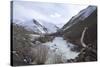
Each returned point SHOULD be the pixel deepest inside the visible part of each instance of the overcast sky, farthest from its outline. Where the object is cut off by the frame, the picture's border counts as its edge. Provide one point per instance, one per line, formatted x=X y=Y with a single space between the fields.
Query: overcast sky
x=56 y=13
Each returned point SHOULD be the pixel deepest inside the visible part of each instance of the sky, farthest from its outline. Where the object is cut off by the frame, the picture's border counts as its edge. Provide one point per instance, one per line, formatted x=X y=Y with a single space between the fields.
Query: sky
x=56 y=13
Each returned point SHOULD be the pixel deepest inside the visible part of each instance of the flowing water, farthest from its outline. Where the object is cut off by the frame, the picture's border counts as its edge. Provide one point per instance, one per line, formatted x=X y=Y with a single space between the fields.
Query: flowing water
x=60 y=49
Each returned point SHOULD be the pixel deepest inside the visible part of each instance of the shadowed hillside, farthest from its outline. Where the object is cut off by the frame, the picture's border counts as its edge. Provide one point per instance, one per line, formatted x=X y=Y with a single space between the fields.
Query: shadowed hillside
x=88 y=24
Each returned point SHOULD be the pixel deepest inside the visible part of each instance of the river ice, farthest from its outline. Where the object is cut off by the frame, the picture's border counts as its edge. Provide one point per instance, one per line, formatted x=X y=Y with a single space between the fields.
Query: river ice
x=60 y=47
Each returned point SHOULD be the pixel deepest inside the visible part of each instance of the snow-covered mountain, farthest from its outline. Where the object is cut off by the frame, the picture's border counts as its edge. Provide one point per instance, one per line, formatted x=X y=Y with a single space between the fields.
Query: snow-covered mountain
x=38 y=26
x=51 y=28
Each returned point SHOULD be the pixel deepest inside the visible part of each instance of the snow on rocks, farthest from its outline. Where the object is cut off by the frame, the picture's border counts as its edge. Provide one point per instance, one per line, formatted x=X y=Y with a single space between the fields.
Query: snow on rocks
x=59 y=47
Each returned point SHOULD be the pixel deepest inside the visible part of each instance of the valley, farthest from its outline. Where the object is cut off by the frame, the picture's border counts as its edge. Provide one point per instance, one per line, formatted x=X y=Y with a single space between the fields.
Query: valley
x=37 y=42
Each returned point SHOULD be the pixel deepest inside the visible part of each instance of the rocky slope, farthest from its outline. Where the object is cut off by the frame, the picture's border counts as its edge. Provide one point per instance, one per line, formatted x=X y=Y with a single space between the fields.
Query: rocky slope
x=85 y=20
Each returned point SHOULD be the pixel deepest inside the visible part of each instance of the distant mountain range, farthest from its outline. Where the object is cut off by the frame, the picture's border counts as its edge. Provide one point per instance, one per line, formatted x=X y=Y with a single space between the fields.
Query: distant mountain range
x=38 y=27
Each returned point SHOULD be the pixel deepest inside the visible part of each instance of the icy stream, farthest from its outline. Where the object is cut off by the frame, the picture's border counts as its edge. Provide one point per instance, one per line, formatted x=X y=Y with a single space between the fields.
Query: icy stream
x=59 y=47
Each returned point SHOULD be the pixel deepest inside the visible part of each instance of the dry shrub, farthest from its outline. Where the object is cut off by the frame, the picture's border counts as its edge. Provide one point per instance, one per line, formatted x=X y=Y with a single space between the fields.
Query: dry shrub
x=54 y=58
x=40 y=53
